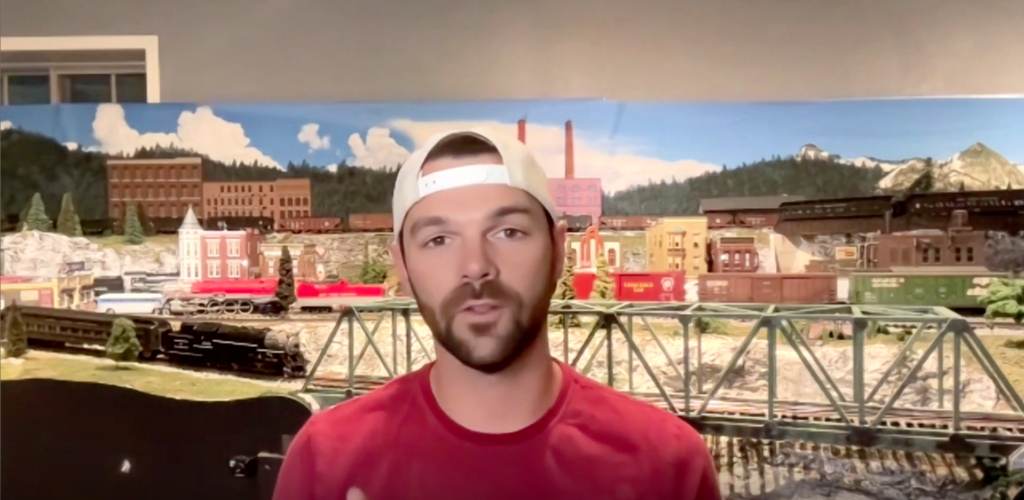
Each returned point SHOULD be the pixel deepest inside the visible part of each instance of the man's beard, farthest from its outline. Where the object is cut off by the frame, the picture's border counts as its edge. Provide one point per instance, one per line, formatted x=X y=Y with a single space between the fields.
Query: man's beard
x=528 y=321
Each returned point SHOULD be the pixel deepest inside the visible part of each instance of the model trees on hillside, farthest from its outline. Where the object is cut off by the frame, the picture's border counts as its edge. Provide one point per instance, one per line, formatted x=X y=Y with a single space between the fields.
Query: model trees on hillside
x=35 y=219
x=133 y=232
x=285 y=292
x=68 y=222
x=1004 y=298
x=566 y=291
x=123 y=342
x=15 y=338
x=604 y=285
x=374 y=269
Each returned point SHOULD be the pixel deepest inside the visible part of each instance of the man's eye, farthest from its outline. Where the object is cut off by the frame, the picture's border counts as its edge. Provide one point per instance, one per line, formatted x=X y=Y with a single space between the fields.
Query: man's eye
x=435 y=241
x=511 y=233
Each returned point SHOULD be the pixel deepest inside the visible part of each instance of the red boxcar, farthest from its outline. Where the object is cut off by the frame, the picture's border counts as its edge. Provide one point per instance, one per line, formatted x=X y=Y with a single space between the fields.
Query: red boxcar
x=306 y=290
x=637 y=287
x=765 y=288
x=257 y=287
x=370 y=223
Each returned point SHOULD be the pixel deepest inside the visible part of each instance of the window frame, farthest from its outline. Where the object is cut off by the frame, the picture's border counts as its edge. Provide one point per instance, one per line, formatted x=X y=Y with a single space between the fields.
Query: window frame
x=150 y=66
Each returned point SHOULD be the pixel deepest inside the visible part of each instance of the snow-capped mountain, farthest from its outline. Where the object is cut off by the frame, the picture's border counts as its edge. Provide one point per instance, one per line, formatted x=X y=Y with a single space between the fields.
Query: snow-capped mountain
x=976 y=168
x=812 y=152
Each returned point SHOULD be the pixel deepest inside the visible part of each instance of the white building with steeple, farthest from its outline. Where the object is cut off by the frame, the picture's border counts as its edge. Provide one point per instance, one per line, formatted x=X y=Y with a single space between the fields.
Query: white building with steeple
x=189 y=235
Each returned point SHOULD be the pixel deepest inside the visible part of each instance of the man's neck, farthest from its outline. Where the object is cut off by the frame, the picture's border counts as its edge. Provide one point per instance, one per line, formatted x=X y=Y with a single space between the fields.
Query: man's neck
x=503 y=402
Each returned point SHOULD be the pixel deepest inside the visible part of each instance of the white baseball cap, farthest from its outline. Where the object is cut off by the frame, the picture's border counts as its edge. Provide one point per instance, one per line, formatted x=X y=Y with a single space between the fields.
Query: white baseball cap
x=519 y=169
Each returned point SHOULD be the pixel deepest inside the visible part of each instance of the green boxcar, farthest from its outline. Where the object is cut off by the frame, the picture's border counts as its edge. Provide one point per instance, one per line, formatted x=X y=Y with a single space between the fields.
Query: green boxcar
x=952 y=288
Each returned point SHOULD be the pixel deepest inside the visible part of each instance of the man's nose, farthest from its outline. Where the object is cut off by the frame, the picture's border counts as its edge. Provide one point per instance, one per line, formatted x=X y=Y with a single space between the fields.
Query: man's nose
x=478 y=261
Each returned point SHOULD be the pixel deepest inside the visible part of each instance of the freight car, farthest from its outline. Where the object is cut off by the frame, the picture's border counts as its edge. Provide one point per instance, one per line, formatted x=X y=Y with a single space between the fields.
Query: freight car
x=370 y=223
x=627 y=222
x=577 y=223
x=312 y=225
x=264 y=225
x=218 y=346
x=764 y=288
x=636 y=287
x=957 y=288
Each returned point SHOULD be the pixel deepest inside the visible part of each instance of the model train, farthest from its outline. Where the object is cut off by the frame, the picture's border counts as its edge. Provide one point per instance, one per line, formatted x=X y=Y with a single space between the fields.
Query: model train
x=211 y=345
x=957 y=288
x=257 y=296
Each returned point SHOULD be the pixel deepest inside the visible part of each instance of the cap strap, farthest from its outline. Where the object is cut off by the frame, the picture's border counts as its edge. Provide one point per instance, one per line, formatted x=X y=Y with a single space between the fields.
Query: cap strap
x=463 y=176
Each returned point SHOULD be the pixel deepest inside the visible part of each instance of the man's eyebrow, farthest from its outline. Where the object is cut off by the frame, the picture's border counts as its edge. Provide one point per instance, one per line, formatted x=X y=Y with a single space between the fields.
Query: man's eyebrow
x=426 y=222
x=508 y=210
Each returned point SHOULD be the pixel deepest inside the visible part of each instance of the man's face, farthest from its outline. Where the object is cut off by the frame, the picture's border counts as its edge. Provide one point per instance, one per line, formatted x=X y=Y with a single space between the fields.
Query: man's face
x=482 y=265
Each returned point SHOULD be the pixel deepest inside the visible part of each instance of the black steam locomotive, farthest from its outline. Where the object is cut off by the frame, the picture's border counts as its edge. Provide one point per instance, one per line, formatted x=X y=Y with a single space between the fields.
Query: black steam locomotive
x=213 y=345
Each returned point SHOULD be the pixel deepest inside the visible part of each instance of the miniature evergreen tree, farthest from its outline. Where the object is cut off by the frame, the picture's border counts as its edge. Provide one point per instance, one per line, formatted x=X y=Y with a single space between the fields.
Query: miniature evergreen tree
x=285 y=292
x=123 y=343
x=566 y=291
x=68 y=222
x=15 y=338
x=133 y=233
x=36 y=219
x=604 y=285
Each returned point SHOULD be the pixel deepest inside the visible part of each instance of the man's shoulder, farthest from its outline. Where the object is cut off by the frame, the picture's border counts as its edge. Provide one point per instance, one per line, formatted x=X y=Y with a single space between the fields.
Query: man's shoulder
x=376 y=409
x=633 y=419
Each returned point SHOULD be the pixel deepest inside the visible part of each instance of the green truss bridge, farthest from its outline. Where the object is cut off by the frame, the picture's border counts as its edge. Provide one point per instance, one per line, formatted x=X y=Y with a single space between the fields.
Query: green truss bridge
x=753 y=371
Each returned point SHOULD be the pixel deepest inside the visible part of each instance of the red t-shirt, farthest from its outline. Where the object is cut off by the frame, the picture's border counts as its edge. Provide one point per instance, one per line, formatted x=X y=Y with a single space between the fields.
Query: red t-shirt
x=595 y=443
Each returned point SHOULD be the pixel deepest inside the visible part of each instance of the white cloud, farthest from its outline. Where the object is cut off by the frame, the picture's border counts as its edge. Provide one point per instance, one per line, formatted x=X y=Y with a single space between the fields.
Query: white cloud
x=200 y=131
x=71 y=145
x=309 y=135
x=332 y=168
x=617 y=170
x=378 y=151
x=6 y=124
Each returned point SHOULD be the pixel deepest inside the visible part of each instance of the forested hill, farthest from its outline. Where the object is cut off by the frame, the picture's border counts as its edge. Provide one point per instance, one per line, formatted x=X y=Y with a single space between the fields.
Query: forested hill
x=814 y=179
x=35 y=163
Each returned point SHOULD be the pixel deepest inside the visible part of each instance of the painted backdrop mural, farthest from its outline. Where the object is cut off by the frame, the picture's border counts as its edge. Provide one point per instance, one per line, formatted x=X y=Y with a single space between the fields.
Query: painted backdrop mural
x=650 y=159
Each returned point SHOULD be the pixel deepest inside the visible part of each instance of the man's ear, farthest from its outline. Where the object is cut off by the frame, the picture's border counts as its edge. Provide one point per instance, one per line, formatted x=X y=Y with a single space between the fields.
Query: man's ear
x=398 y=260
x=559 y=248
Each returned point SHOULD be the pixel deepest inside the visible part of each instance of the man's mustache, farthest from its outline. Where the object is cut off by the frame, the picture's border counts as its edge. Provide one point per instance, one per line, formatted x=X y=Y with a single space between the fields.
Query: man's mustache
x=487 y=289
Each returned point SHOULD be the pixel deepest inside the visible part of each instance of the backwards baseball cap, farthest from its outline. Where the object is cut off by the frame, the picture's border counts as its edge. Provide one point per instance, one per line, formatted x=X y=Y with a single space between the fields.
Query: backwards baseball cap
x=519 y=169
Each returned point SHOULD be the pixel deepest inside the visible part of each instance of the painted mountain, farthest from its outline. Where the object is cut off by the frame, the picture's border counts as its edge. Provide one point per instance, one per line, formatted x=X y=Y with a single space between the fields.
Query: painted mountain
x=977 y=168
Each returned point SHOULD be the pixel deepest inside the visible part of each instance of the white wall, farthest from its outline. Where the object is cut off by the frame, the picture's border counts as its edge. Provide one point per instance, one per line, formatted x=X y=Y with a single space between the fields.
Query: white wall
x=302 y=50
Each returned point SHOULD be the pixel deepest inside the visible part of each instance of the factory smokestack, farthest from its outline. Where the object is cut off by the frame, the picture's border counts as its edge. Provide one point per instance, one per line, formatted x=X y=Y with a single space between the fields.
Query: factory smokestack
x=570 y=156
x=522 y=131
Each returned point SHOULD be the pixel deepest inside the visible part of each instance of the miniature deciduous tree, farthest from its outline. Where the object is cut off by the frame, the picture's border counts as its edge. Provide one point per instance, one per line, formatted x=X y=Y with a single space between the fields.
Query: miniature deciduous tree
x=36 y=219
x=1004 y=298
x=566 y=291
x=68 y=222
x=285 y=291
x=133 y=233
x=123 y=343
x=604 y=285
x=15 y=337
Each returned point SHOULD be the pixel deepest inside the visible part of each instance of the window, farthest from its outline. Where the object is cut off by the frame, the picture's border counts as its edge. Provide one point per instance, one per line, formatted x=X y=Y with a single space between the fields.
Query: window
x=612 y=257
x=234 y=269
x=213 y=248
x=970 y=254
x=213 y=269
x=234 y=248
x=86 y=69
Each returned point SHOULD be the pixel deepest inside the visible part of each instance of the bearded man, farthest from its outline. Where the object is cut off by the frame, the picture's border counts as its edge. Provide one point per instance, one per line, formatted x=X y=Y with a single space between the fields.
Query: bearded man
x=495 y=416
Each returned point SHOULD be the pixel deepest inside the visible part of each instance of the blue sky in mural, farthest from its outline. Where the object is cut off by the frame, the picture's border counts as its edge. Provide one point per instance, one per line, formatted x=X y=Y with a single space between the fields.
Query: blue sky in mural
x=620 y=142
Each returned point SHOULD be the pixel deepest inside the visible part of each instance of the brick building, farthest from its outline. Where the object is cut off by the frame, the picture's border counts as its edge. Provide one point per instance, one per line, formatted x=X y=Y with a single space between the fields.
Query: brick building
x=678 y=244
x=229 y=254
x=162 y=187
x=280 y=199
x=747 y=211
x=304 y=259
x=572 y=196
x=586 y=251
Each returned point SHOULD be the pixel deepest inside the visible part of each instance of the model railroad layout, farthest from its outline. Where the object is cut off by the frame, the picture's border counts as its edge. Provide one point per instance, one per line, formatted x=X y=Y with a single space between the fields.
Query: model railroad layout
x=196 y=343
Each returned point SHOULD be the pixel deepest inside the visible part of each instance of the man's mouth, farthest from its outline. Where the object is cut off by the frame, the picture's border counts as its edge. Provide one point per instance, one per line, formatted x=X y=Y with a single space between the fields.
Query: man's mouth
x=480 y=308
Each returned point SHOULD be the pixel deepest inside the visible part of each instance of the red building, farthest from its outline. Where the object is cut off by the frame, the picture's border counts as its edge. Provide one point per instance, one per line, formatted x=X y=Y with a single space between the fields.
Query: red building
x=572 y=196
x=230 y=254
